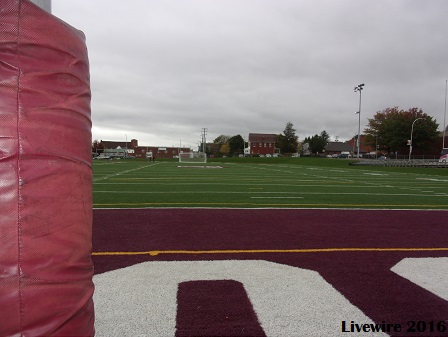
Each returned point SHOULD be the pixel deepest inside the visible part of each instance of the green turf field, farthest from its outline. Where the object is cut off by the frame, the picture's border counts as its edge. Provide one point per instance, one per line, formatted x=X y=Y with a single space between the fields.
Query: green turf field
x=266 y=183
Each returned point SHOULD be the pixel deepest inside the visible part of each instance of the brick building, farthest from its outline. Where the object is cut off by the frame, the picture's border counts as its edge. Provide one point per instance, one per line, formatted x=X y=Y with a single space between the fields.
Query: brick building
x=159 y=151
x=118 y=148
x=262 y=143
x=114 y=147
x=363 y=147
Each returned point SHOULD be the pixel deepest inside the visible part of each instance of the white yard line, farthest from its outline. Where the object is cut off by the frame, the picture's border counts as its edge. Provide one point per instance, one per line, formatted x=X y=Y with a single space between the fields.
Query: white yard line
x=258 y=192
x=122 y=172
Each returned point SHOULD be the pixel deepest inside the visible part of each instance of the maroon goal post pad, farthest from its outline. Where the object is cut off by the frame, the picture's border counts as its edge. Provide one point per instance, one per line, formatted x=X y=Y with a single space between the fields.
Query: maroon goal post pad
x=45 y=176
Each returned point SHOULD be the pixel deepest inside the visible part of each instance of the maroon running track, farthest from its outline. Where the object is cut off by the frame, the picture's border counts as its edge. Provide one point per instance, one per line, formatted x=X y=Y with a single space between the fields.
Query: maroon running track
x=363 y=277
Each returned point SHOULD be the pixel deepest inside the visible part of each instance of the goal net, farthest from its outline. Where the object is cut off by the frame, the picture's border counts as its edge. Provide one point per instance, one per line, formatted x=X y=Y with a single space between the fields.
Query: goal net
x=192 y=157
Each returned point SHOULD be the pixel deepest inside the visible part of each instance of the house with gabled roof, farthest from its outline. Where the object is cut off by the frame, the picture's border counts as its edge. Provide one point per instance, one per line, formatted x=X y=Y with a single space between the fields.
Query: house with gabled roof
x=335 y=148
x=262 y=143
x=114 y=145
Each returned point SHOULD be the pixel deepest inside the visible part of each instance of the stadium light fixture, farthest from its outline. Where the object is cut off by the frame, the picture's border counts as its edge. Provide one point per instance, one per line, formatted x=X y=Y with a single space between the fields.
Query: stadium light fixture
x=410 y=142
x=359 y=88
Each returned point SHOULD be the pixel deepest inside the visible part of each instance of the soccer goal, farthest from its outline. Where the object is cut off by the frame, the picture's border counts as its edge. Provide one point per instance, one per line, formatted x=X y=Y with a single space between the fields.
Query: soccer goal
x=193 y=157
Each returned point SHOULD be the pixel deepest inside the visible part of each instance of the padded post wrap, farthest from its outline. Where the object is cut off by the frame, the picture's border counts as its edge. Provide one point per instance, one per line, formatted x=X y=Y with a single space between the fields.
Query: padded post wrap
x=45 y=176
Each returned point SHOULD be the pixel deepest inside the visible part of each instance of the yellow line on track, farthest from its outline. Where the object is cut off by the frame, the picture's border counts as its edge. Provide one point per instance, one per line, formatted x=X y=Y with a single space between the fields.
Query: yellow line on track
x=260 y=251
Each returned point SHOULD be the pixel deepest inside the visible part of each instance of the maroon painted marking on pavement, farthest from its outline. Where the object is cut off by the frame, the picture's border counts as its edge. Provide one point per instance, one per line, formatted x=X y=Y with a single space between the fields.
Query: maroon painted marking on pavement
x=364 y=278
x=215 y=308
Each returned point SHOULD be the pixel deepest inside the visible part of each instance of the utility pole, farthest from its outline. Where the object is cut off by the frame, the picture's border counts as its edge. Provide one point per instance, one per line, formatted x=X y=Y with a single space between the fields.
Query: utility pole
x=126 y=151
x=204 y=133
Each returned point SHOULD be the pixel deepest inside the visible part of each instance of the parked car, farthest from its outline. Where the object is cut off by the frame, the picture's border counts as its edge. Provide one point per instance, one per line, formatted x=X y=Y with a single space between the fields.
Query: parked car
x=102 y=157
x=444 y=156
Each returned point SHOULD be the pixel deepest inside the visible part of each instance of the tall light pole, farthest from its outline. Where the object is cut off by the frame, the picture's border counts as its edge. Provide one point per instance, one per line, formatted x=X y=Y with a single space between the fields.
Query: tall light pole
x=359 y=88
x=410 y=142
x=444 y=117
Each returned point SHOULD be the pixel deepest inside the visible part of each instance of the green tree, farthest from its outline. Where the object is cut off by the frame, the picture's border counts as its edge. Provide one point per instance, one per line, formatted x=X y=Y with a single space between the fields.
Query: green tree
x=280 y=142
x=325 y=137
x=391 y=129
x=236 y=145
x=317 y=142
x=222 y=139
x=316 y=145
x=288 y=141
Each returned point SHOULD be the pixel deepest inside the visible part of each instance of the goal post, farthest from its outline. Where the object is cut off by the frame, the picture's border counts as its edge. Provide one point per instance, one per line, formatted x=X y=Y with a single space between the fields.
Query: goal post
x=44 y=4
x=193 y=158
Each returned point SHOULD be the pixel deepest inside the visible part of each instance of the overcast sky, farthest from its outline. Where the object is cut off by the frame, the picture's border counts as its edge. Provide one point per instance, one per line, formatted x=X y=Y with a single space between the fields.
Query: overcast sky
x=161 y=70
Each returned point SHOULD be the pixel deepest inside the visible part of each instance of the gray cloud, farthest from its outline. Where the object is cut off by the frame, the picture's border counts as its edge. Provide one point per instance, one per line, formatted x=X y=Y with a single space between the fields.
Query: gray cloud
x=162 y=70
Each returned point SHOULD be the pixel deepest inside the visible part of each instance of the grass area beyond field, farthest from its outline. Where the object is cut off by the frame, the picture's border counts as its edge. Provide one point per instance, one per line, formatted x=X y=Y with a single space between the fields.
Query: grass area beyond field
x=266 y=183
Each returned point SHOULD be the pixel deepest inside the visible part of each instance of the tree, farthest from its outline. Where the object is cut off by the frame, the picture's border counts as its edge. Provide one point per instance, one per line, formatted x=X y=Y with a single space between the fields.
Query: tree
x=390 y=129
x=215 y=148
x=97 y=147
x=325 y=137
x=317 y=142
x=224 y=149
x=280 y=142
x=236 y=145
x=288 y=141
x=222 y=139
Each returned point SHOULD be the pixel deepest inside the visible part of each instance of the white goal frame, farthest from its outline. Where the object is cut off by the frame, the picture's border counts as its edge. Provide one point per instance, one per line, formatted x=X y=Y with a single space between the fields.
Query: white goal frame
x=193 y=158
